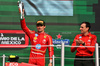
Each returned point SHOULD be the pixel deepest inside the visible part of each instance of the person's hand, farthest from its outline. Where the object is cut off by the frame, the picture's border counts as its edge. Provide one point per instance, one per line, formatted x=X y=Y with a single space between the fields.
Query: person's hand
x=21 y=9
x=50 y=64
x=78 y=42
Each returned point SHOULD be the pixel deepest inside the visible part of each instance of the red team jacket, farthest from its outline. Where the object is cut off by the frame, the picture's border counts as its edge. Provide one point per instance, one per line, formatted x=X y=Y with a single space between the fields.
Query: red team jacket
x=90 y=40
x=38 y=39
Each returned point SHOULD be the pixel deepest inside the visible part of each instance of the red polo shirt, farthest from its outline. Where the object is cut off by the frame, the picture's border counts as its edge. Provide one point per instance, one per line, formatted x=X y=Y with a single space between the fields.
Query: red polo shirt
x=90 y=40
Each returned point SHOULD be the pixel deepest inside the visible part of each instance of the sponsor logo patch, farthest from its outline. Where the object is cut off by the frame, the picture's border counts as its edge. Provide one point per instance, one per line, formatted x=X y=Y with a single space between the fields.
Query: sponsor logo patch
x=36 y=35
x=35 y=38
x=80 y=37
x=44 y=41
x=38 y=46
x=44 y=36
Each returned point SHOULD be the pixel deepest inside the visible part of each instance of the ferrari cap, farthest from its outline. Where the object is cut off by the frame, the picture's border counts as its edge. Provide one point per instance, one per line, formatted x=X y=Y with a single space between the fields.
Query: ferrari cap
x=40 y=22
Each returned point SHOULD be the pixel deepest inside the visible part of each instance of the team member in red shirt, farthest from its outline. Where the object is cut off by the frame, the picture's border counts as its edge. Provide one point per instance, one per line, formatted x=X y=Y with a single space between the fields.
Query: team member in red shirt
x=38 y=39
x=84 y=39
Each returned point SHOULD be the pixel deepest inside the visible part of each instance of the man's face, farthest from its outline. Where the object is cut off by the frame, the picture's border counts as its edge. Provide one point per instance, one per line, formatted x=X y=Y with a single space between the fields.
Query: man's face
x=83 y=28
x=40 y=28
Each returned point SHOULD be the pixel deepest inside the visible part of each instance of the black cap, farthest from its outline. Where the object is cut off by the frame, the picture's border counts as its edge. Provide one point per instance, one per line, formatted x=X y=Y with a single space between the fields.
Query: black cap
x=40 y=22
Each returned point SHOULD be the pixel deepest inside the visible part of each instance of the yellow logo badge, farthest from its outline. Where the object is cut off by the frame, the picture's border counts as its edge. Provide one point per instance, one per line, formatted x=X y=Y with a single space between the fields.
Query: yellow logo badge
x=35 y=38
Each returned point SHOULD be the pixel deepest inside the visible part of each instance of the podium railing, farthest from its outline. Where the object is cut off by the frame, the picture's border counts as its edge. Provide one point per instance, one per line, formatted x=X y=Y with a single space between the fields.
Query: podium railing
x=62 y=53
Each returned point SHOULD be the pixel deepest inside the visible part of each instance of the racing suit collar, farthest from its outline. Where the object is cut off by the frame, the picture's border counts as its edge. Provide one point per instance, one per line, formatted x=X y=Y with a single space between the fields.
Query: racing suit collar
x=87 y=35
x=40 y=33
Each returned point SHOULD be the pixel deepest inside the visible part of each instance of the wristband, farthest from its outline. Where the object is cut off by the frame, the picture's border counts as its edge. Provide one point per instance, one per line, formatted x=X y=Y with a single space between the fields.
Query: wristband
x=50 y=60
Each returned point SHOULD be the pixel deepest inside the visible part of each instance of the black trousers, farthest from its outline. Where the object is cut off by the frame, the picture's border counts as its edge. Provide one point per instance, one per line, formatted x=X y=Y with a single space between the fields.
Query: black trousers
x=84 y=61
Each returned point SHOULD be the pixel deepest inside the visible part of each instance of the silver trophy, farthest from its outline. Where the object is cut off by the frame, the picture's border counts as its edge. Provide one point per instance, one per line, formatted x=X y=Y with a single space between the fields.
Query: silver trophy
x=21 y=7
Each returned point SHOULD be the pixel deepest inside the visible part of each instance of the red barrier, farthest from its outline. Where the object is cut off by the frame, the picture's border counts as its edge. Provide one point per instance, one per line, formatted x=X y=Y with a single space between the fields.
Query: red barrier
x=18 y=64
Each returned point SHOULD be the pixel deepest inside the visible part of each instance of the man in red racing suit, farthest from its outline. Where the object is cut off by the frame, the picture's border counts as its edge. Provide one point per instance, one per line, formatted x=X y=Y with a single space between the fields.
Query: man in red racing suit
x=39 y=40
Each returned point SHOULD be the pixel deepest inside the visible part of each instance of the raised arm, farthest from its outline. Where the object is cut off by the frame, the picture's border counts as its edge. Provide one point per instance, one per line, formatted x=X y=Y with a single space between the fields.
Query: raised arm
x=24 y=27
x=22 y=19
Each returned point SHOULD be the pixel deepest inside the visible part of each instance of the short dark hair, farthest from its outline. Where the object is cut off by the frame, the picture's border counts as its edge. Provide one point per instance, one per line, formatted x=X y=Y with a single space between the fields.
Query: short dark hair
x=87 y=25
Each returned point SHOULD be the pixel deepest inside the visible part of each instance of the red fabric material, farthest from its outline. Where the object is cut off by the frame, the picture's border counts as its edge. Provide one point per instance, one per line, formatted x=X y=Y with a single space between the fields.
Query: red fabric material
x=18 y=64
x=37 y=59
